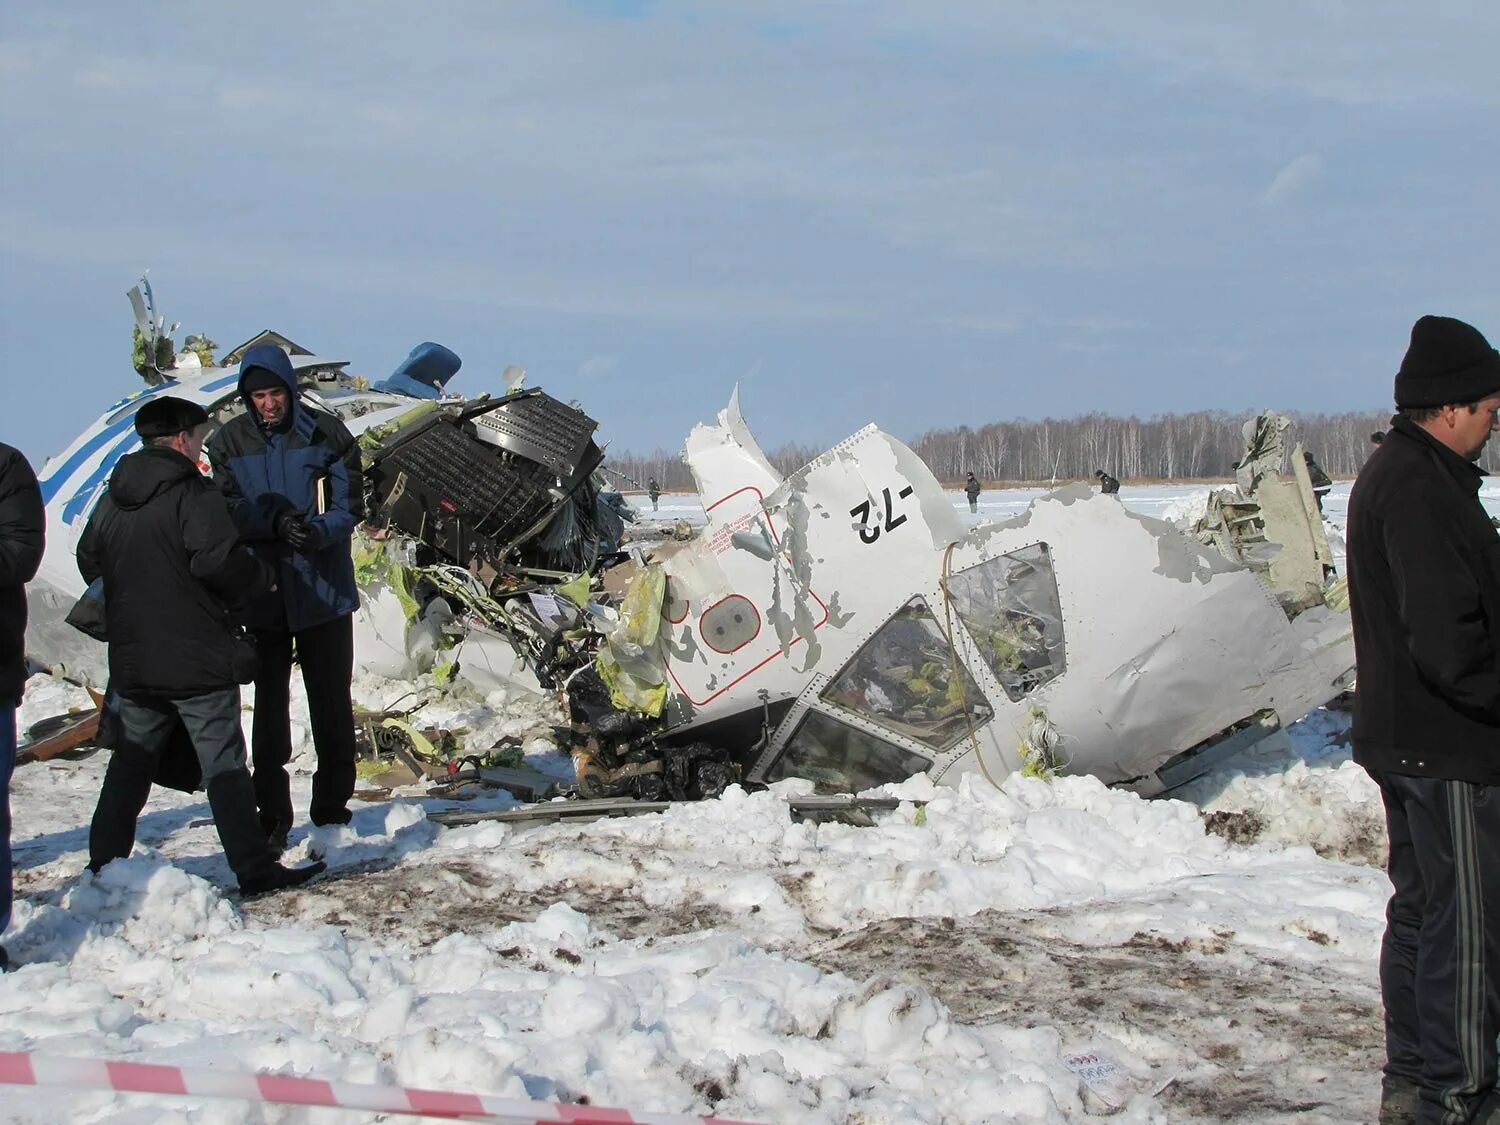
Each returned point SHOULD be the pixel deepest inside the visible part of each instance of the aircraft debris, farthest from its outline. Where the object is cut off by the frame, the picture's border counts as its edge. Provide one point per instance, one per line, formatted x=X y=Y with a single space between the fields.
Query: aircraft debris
x=1272 y=521
x=842 y=625
x=476 y=506
x=63 y=735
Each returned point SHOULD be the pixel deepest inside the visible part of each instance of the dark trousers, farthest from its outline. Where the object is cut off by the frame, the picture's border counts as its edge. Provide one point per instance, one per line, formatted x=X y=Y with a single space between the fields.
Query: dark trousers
x=1440 y=960
x=326 y=653
x=142 y=727
x=7 y=767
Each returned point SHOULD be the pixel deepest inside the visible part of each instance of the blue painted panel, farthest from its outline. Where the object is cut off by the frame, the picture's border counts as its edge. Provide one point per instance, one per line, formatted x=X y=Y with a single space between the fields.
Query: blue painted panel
x=80 y=499
x=54 y=480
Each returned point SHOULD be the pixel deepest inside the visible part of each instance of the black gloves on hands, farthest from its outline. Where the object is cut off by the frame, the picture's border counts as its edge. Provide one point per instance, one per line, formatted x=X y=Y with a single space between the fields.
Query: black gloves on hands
x=292 y=527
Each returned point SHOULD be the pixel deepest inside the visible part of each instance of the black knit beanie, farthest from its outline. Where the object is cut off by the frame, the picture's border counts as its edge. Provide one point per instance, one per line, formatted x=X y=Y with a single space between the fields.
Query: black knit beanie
x=1448 y=362
x=259 y=379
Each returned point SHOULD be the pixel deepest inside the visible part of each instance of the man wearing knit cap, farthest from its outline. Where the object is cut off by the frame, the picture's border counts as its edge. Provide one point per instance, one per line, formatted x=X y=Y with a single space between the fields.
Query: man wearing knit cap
x=1424 y=592
x=295 y=487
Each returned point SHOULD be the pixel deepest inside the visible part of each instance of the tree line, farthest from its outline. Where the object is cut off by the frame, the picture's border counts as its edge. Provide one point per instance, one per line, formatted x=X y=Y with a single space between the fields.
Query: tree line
x=1202 y=444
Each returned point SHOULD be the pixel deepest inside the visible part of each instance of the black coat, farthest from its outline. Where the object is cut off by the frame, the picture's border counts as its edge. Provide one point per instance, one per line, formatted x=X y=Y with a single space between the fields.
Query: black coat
x=22 y=525
x=1424 y=592
x=162 y=540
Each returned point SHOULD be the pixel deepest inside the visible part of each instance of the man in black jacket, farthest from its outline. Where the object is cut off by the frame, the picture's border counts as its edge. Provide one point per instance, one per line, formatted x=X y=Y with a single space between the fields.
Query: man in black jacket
x=22 y=523
x=162 y=541
x=1424 y=592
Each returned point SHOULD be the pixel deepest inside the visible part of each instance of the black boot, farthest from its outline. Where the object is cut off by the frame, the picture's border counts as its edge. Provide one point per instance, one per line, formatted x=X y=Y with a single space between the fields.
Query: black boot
x=1399 y=1098
x=122 y=796
x=231 y=796
x=279 y=878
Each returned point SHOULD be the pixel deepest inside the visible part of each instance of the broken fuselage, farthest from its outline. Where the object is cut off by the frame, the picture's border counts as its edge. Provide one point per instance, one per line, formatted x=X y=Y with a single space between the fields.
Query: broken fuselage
x=846 y=625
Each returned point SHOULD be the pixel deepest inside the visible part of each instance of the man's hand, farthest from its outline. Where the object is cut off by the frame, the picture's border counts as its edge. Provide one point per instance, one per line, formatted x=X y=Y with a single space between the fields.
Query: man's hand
x=292 y=527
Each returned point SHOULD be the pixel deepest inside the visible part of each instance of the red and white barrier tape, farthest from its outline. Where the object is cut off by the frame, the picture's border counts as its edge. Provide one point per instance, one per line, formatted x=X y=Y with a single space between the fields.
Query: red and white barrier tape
x=20 y=1069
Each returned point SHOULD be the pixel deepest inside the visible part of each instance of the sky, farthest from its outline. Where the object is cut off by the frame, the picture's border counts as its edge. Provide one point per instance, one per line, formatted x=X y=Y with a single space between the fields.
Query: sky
x=911 y=214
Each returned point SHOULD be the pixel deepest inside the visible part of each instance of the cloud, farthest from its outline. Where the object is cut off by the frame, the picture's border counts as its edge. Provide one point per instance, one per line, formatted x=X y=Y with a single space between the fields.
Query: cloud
x=954 y=188
x=597 y=365
x=1293 y=178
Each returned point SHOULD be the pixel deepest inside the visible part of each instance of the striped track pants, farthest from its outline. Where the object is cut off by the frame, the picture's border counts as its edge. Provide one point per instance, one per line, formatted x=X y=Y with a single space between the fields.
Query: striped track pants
x=1440 y=960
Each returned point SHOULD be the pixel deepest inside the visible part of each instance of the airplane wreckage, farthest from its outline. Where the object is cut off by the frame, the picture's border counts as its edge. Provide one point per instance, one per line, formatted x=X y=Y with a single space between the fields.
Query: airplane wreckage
x=843 y=624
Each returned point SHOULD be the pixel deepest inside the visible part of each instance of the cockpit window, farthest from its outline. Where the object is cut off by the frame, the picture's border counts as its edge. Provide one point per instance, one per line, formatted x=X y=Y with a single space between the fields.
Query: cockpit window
x=838 y=758
x=1011 y=608
x=907 y=679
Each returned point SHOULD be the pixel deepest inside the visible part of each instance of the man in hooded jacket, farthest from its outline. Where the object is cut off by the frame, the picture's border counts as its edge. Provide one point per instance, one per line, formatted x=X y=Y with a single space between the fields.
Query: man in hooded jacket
x=22 y=524
x=162 y=541
x=293 y=479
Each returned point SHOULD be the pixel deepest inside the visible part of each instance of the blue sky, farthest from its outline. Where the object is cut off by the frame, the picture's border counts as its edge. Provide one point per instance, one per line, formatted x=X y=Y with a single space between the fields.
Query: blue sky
x=913 y=214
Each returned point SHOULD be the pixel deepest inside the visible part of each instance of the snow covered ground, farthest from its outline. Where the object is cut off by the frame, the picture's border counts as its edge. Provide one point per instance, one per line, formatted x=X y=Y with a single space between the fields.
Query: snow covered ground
x=723 y=958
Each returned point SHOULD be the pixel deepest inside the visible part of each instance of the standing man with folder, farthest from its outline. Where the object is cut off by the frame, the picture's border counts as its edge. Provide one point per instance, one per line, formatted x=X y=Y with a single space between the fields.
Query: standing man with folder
x=293 y=479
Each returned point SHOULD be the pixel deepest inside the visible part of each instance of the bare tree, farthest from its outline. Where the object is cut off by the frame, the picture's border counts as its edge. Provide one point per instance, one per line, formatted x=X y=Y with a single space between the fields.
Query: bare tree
x=1202 y=444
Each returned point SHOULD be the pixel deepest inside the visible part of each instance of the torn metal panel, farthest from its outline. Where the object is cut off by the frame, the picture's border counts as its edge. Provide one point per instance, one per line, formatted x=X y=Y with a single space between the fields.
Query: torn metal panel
x=1078 y=636
x=1272 y=522
x=725 y=458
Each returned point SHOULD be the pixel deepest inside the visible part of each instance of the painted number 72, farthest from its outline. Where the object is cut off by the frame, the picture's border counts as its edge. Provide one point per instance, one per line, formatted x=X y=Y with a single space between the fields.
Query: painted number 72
x=869 y=532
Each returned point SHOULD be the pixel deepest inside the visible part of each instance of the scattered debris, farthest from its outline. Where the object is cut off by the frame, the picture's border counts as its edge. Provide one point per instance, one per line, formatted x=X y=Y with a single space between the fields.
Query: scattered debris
x=61 y=736
x=842 y=625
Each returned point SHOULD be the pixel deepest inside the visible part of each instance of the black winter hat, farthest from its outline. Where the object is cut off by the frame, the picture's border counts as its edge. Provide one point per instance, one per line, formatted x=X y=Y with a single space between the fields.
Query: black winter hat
x=260 y=379
x=1448 y=361
x=167 y=416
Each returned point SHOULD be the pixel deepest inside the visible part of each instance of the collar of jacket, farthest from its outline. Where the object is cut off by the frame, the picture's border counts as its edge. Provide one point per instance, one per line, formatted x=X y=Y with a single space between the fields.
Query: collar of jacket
x=1467 y=474
x=282 y=427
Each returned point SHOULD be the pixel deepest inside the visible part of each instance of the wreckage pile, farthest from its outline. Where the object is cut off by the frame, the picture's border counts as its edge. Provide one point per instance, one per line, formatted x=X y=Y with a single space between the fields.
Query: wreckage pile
x=491 y=530
x=842 y=625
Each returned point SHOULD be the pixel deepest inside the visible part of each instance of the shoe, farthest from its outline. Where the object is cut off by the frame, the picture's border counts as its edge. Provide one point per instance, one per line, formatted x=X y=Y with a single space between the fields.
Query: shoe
x=4 y=960
x=279 y=878
x=1399 y=1097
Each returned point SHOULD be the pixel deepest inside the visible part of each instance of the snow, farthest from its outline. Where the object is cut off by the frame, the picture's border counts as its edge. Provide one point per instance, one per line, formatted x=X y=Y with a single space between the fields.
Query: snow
x=724 y=958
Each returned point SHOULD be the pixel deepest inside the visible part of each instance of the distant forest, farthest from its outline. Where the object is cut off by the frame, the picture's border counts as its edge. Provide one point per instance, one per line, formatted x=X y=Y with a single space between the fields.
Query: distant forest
x=1165 y=447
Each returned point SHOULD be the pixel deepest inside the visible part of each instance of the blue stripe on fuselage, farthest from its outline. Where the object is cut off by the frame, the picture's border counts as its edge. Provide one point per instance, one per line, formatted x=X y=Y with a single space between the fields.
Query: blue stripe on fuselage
x=79 y=500
x=54 y=480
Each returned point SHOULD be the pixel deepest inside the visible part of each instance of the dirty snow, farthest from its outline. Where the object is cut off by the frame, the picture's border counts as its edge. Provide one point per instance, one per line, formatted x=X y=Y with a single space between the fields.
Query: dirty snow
x=723 y=958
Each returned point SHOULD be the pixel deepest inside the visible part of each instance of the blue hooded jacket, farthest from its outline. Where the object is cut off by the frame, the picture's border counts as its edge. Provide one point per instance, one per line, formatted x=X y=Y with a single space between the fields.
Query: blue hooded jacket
x=309 y=465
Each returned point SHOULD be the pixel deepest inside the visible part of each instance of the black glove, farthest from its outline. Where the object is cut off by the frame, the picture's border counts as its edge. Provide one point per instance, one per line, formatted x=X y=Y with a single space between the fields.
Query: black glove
x=295 y=530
